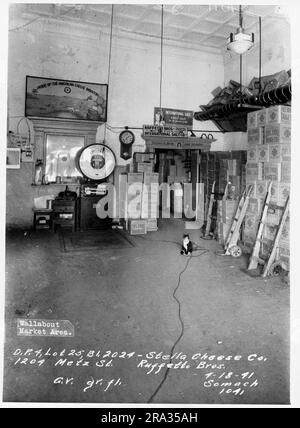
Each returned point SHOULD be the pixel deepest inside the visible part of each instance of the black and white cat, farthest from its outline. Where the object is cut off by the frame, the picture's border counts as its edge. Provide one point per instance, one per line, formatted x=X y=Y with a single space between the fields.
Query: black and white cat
x=187 y=246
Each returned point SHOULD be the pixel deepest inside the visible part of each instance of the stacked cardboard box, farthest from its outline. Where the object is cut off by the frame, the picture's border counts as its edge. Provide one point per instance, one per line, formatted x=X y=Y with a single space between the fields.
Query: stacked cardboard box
x=142 y=195
x=162 y=171
x=268 y=158
x=230 y=172
x=137 y=227
x=150 y=200
x=134 y=194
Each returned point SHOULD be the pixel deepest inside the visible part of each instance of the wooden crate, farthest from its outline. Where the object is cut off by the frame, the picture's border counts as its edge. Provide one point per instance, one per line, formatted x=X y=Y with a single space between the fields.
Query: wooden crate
x=255 y=136
x=279 y=114
x=144 y=167
x=135 y=177
x=285 y=176
x=137 y=227
x=252 y=154
x=252 y=120
x=272 y=171
x=261 y=117
x=277 y=134
x=263 y=153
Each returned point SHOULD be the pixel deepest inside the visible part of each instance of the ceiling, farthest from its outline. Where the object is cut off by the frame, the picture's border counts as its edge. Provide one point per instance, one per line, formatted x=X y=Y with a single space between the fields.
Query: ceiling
x=203 y=26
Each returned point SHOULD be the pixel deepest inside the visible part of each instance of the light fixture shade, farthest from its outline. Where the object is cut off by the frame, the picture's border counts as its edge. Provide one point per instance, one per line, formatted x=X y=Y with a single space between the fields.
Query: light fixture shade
x=240 y=42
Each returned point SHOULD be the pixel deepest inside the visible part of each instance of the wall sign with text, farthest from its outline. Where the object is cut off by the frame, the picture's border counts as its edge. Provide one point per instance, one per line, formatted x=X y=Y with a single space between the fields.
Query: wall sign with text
x=65 y=99
x=164 y=131
x=173 y=117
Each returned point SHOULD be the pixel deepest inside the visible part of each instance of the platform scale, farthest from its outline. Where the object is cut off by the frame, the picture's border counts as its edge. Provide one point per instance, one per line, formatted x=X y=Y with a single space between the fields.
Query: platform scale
x=96 y=162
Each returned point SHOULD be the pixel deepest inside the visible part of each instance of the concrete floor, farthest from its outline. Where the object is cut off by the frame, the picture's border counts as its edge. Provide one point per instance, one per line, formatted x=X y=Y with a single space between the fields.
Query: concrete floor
x=122 y=301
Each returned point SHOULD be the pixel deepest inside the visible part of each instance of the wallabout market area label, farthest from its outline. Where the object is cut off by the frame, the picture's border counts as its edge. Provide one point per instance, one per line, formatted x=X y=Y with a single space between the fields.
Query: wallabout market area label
x=44 y=328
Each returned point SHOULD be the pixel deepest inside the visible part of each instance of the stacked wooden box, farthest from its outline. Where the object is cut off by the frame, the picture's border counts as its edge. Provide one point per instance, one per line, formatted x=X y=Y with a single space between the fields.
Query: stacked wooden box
x=172 y=168
x=142 y=195
x=268 y=159
x=231 y=172
x=150 y=200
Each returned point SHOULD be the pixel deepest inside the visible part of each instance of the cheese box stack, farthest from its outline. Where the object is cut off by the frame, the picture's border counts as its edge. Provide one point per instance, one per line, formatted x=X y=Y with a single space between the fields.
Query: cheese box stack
x=134 y=200
x=150 y=201
x=134 y=194
x=268 y=159
x=141 y=198
x=278 y=138
x=143 y=162
x=144 y=167
x=137 y=227
x=150 y=196
x=152 y=225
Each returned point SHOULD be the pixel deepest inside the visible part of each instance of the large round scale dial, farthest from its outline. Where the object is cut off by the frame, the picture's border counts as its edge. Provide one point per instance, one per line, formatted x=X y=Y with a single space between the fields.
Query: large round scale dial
x=96 y=161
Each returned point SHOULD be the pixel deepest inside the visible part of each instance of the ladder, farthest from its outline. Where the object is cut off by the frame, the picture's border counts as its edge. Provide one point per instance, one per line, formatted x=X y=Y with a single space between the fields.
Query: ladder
x=223 y=214
x=231 y=247
x=210 y=208
x=269 y=263
x=254 y=258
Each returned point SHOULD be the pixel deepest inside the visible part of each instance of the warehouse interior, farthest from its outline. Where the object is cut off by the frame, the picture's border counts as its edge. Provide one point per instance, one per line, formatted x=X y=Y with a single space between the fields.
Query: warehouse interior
x=148 y=176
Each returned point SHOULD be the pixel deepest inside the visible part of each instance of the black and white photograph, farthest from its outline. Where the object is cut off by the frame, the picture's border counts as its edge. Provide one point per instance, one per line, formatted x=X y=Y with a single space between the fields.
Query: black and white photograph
x=149 y=201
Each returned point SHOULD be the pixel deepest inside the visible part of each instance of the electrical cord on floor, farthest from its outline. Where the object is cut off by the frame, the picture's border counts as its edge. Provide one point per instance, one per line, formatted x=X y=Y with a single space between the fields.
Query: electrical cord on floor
x=196 y=248
x=204 y=251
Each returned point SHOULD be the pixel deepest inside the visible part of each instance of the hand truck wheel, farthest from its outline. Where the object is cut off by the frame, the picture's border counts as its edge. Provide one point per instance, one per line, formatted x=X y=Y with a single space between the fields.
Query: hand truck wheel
x=235 y=251
x=275 y=269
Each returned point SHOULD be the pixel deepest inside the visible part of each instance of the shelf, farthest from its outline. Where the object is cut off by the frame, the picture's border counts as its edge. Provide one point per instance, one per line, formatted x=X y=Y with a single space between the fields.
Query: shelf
x=178 y=143
x=232 y=116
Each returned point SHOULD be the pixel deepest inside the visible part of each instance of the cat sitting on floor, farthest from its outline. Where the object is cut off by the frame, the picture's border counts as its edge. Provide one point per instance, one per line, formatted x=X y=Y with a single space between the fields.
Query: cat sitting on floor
x=187 y=246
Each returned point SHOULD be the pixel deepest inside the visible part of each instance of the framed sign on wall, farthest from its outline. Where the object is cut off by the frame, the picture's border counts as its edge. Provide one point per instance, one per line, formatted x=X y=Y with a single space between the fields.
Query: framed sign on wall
x=65 y=99
x=173 y=117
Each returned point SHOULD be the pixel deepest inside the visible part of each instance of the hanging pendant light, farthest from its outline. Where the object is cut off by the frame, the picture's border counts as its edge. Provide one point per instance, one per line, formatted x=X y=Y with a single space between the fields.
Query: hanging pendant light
x=240 y=42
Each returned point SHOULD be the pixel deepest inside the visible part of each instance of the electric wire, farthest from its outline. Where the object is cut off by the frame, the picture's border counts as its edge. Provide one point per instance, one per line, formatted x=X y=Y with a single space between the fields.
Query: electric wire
x=111 y=128
x=161 y=54
x=109 y=57
x=196 y=247
x=181 y=324
x=259 y=64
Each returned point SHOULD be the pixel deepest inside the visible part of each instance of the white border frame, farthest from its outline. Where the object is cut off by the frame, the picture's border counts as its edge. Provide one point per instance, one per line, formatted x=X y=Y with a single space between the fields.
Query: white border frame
x=17 y=165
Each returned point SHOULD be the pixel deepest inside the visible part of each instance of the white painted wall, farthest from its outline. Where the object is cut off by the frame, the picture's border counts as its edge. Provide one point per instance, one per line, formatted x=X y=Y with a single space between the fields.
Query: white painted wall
x=48 y=49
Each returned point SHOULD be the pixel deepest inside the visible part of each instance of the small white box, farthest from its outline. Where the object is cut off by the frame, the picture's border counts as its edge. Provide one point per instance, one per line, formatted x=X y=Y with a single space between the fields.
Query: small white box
x=272 y=171
x=263 y=153
x=275 y=152
x=255 y=136
x=261 y=116
x=144 y=167
x=252 y=154
x=252 y=120
x=261 y=189
x=279 y=114
x=285 y=153
x=277 y=133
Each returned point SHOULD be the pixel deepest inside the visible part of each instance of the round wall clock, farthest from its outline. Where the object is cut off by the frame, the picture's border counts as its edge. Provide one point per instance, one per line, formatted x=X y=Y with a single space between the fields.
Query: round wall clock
x=126 y=137
x=96 y=161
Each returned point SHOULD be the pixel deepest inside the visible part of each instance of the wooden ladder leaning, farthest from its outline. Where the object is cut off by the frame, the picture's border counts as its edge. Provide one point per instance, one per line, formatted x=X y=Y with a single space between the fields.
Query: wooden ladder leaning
x=209 y=212
x=231 y=247
x=254 y=258
x=268 y=265
x=223 y=214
